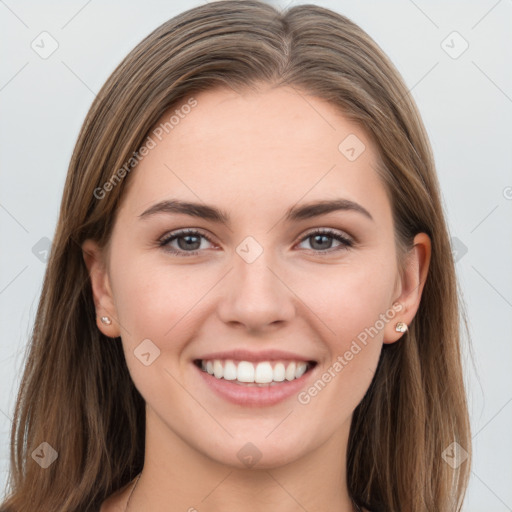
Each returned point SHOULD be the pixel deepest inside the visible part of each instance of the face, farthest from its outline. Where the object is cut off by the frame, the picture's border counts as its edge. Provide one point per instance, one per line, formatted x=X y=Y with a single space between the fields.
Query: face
x=261 y=287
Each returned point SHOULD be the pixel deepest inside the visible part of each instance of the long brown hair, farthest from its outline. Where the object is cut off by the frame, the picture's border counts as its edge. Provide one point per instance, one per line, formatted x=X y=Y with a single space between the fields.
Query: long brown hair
x=76 y=392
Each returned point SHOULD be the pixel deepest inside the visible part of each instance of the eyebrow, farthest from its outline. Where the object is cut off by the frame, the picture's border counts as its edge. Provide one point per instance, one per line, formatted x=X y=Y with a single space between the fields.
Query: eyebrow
x=214 y=214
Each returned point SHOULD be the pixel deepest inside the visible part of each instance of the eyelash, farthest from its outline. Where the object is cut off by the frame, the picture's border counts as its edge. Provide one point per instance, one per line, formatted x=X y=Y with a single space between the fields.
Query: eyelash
x=346 y=242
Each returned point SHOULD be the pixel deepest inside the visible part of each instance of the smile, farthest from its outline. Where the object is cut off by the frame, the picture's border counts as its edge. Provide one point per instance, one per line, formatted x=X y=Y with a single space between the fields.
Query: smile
x=255 y=384
x=261 y=373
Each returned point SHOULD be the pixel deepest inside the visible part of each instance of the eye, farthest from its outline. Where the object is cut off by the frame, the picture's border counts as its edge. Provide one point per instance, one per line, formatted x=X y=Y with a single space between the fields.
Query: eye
x=188 y=241
x=321 y=241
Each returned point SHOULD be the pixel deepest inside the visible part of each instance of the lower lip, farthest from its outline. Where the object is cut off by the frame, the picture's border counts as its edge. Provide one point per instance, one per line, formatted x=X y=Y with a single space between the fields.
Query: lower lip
x=255 y=396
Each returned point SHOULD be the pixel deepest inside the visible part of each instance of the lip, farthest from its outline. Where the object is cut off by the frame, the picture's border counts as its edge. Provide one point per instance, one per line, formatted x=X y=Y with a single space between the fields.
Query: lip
x=255 y=396
x=254 y=357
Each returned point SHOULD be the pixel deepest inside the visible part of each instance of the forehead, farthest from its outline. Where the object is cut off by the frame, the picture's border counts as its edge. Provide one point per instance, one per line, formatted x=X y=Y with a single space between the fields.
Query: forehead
x=256 y=148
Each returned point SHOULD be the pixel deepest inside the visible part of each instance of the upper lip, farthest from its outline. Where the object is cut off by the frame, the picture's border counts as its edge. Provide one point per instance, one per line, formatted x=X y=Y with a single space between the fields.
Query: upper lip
x=262 y=355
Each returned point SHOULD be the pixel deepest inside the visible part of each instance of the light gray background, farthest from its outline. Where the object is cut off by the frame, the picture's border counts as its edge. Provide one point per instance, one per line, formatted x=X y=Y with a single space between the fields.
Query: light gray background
x=466 y=104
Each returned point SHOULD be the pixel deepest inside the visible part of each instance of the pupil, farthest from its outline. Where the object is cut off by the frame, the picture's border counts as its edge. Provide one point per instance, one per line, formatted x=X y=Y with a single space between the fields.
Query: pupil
x=319 y=237
x=188 y=244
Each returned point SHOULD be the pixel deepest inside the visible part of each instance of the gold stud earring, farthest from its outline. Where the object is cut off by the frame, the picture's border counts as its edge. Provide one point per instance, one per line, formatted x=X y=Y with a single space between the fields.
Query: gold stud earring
x=401 y=327
x=105 y=320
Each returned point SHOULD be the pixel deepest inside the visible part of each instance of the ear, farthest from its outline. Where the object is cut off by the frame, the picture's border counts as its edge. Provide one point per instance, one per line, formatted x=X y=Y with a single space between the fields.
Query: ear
x=410 y=286
x=95 y=261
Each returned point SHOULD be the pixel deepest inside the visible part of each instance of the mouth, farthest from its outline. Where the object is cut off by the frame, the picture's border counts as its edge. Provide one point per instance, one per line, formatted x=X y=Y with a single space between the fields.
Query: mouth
x=257 y=383
x=255 y=374
x=233 y=378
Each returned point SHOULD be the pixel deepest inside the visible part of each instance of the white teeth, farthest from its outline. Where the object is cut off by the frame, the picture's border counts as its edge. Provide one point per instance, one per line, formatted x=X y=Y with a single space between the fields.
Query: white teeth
x=218 y=371
x=300 y=370
x=290 y=371
x=264 y=373
x=279 y=372
x=260 y=373
x=245 y=372
x=230 y=371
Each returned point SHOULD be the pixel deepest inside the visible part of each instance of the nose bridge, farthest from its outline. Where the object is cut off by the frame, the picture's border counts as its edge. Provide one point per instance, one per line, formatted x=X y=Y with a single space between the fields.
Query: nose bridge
x=255 y=276
x=255 y=297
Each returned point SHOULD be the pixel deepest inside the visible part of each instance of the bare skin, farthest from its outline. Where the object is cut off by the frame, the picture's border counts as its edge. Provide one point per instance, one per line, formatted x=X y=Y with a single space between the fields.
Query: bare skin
x=253 y=156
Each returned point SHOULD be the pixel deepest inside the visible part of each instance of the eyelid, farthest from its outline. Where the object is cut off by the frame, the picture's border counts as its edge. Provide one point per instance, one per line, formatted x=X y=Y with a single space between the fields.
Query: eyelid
x=173 y=235
x=182 y=232
x=330 y=231
x=345 y=240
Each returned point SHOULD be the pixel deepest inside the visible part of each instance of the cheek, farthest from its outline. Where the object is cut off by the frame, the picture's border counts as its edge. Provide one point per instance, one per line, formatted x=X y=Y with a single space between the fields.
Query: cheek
x=352 y=304
x=152 y=299
x=349 y=298
x=156 y=302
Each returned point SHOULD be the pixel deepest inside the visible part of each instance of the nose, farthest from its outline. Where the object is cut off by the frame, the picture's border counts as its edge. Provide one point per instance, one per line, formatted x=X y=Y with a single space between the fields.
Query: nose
x=255 y=296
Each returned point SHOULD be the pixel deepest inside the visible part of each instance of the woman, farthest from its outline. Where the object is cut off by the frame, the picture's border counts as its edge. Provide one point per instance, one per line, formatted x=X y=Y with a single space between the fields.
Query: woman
x=305 y=353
